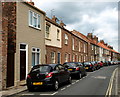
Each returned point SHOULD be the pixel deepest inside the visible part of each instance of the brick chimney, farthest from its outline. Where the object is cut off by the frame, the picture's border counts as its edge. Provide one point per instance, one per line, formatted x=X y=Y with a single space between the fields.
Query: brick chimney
x=106 y=44
x=54 y=18
x=90 y=35
x=95 y=38
x=62 y=24
x=102 y=41
x=31 y=2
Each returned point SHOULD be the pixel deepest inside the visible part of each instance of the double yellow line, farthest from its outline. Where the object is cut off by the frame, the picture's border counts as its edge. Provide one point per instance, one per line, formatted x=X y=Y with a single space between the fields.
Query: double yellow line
x=109 y=90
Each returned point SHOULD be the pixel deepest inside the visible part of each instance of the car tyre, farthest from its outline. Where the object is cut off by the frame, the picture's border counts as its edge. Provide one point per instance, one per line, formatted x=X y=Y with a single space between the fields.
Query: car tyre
x=30 y=89
x=79 y=75
x=56 y=85
x=69 y=80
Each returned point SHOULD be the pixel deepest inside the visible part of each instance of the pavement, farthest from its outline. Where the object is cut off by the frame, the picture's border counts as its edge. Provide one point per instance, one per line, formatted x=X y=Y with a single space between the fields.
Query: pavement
x=20 y=89
x=13 y=91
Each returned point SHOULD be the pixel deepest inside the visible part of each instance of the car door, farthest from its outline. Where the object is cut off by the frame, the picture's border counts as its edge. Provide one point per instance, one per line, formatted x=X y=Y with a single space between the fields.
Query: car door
x=64 y=74
x=81 y=68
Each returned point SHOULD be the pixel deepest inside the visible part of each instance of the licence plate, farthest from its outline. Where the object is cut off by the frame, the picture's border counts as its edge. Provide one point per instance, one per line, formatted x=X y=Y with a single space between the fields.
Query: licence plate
x=37 y=83
x=70 y=69
x=86 y=67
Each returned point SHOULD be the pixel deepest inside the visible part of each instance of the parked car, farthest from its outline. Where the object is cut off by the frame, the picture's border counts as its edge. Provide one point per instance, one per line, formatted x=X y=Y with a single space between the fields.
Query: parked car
x=100 y=63
x=89 y=66
x=47 y=75
x=75 y=68
x=96 y=65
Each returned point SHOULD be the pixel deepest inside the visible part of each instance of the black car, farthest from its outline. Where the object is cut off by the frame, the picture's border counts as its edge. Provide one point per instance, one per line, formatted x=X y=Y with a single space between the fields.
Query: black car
x=75 y=68
x=89 y=66
x=47 y=75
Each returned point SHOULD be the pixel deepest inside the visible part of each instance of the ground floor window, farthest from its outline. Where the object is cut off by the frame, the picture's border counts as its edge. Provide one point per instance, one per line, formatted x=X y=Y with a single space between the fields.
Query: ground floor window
x=52 y=57
x=35 y=56
x=66 y=57
x=73 y=58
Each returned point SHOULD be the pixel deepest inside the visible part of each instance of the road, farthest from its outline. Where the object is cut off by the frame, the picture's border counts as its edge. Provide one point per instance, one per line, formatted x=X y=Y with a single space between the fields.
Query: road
x=95 y=83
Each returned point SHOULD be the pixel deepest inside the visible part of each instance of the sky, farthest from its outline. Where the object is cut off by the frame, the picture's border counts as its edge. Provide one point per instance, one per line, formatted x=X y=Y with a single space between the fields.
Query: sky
x=100 y=18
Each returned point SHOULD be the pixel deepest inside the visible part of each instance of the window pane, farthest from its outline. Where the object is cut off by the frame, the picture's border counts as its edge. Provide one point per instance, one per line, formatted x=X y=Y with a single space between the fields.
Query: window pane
x=30 y=17
x=33 y=59
x=38 y=58
x=38 y=21
x=35 y=22
x=22 y=46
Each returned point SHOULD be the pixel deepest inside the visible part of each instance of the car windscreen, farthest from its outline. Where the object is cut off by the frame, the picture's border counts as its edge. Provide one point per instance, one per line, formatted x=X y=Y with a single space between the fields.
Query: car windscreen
x=70 y=64
x=86 y=63
x=41 y=69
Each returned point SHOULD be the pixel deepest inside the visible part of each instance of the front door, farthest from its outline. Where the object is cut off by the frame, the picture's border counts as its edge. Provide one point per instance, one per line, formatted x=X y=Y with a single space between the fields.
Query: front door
x=22 y=65
x=58 y=58
x=10 y=70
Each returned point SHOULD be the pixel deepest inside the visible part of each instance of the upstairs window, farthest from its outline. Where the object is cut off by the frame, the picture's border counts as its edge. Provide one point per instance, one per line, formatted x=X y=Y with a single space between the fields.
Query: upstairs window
x=79 y=46
x=84 y=48
x=47 y=31
x=66 y=39
x=73 y=44
x=58 y=34
x=34 y=20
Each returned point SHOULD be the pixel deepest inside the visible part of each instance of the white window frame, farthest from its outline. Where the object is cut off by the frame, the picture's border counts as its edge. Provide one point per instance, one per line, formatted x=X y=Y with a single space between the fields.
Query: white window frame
x=73 y=58
x=36 y=52
x=84 y=48
x=73 y=44
x=58 y=34
x=38 y=22
x=66 y=39
x=66 y=57
x=47 y=32
x=79 y=46
x=26 y=49
x=52 y=59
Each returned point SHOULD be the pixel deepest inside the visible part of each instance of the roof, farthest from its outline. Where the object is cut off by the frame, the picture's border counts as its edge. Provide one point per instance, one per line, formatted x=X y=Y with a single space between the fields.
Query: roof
x=105 y=47
x=31 y=5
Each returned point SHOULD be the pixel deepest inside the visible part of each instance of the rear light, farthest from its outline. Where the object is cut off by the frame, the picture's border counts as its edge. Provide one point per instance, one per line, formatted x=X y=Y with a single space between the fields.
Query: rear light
x=90 y=65
x=77 y=68
x=49 y=75
x=28 y=76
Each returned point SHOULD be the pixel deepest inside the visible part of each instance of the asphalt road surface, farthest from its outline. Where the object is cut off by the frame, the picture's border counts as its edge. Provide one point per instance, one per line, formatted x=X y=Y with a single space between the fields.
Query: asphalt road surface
x=95 y=83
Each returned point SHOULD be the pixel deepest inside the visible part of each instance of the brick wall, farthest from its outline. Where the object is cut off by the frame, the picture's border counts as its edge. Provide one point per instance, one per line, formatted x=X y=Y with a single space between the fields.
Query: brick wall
x=8 y=36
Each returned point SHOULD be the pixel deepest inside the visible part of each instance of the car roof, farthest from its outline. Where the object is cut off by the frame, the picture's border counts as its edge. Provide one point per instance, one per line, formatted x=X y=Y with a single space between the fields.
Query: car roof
x=52 y=65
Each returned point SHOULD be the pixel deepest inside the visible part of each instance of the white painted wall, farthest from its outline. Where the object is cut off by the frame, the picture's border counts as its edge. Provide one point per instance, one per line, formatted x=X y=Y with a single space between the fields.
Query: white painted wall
x=52 y=41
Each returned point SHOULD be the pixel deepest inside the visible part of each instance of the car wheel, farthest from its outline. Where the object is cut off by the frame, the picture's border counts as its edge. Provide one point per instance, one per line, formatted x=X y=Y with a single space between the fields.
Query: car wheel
x=30 y=89
x=79 y=75
x=85 y=74
x=69 y=80
x=56 y=85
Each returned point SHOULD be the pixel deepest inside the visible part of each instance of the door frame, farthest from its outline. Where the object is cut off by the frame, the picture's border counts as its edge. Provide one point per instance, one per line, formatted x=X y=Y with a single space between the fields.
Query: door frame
x=26 y=56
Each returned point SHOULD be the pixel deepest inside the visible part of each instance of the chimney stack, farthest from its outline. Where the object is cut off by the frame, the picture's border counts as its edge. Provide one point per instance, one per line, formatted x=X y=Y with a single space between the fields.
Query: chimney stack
x=90 y=35
x=62 y=24
x=95 y=38
x=31 y=2
x=102 y=41
x=54 y=18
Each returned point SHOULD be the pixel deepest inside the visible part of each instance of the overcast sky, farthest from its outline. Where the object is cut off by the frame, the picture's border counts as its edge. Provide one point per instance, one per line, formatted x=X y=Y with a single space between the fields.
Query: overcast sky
x=86 y=16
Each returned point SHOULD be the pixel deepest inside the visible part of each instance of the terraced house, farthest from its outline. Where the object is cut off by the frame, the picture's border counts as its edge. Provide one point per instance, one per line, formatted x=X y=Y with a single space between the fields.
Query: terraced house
x=30 y=38
x=25 y=45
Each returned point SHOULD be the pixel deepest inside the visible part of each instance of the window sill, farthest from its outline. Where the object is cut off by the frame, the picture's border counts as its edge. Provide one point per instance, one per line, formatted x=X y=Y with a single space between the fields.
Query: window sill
x=35 y=28
x=48 y=39
x=58 y=39
x=66 y=44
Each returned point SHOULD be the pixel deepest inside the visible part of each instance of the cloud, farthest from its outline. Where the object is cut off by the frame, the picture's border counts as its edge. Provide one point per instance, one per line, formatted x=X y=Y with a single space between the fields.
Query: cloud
x=85 y=16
